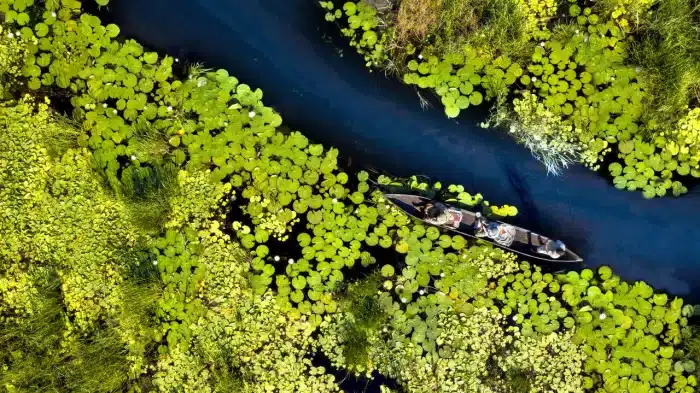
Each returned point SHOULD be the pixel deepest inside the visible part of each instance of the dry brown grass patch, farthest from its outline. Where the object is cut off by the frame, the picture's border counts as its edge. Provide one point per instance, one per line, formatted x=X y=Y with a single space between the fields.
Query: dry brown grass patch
x=415 y=19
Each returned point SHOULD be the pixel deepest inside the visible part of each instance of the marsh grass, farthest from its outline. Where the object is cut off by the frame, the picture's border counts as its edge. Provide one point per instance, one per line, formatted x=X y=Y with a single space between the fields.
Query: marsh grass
x=511 y=381
x=143 y=270
x=148 y=143
x=147 y=187
x=355 y=346
x=518 y=382
x=147 y=190
x=667 y=47
x=39 y=359
x=692 y=348
x=140 y=303
x=415 y=19
x=41 y=355
x=227 y=376
x=493 y=26
x=532 y=132
x=360 y=300
x=60 y=135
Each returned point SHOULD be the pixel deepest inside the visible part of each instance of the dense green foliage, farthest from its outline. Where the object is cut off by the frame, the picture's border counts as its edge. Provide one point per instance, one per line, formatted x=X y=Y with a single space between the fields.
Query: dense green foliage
x=616 y=81
x=170 y=237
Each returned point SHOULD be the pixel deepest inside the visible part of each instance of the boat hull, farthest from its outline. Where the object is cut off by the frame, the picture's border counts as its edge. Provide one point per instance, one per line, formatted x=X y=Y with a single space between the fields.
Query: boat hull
x=525 y=242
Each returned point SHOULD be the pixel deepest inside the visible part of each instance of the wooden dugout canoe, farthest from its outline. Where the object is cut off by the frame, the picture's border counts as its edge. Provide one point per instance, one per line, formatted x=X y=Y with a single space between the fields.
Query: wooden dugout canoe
x=524 y=242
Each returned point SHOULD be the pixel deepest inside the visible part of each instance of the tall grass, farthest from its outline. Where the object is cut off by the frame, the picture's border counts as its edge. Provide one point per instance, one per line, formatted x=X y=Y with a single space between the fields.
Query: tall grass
x=41 y=355
x=60 y=135
x=518 y=382
x=415 y=19
x=38 y=358
x=225 y=372
x=360 y=300
x=447 y=25
x=148 y=143
x=692 y=348
x=667 y=48
x=147 y=189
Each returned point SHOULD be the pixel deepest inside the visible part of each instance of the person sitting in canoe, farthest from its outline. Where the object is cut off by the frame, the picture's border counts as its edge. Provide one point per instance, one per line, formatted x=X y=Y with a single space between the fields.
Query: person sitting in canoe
x=501 y=233
x=553 y=248
x=480 y=225
x=435 y=212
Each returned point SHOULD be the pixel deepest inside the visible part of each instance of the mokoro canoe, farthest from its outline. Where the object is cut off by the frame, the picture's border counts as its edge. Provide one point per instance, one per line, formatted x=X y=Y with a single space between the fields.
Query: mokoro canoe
x=524 y=242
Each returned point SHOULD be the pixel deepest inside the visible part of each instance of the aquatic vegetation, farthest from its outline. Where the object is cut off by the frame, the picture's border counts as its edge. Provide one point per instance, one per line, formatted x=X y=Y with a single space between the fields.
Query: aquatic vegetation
x=691 y=348
x=550 y=140
x=446 y=26
x=38 y=357
x=69 y=301
x=223 y=252
x=668 y=52
x=596 y=81
x=552 y=362
x=361 y=30
x=147 y=188
x=627 y=330
x=627 y=14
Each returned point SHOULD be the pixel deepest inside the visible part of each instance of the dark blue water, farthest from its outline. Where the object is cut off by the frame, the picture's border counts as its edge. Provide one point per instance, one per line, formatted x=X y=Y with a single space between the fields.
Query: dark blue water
x=281 y=46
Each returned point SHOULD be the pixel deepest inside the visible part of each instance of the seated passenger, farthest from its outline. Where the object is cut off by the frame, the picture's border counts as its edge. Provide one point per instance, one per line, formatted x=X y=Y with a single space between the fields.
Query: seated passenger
x=480 y=225
x=436 y=212
x=502 y=234
x=554 y=249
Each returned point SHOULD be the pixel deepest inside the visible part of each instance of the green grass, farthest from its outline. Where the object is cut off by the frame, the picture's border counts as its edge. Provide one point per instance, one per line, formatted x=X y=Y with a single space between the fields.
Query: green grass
x=39 y=358
x=512 y=381
x=148 y=143
x=667 y=48
x=227 y=377
x=147 y=190
x=518 y=382
x=361 y=301
x=61 y=135
x=37 y=362
x=355 y=346
x=692 y=348
x=490 y=24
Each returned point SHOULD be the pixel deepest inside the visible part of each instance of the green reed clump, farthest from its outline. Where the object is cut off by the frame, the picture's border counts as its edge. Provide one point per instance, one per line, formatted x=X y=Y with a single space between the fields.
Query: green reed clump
x=148 y=143
x=147 y=188
x=691 y=346
x=362 y=302
x=356 y=347
x=227 y=377
x=38 y=358
x=667 y=49
x=498 y=24
x=518 y=381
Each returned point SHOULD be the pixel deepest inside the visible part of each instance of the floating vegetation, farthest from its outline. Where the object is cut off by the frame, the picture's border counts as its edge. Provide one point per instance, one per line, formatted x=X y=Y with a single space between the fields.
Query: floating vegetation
x=611 y=84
